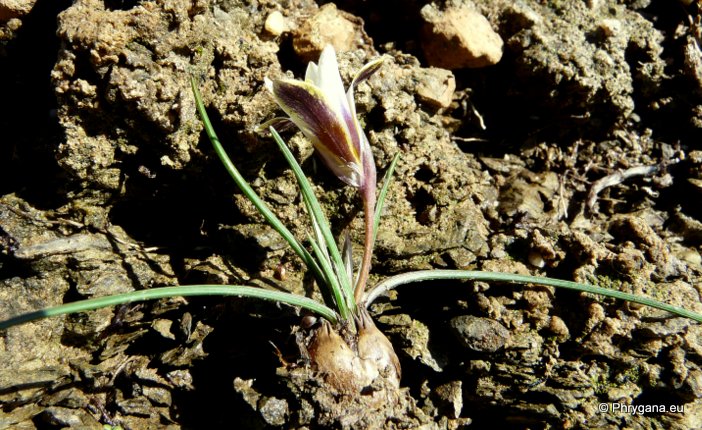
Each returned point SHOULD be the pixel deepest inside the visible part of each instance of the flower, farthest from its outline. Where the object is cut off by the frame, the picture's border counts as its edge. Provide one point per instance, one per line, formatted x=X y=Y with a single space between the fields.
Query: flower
x=327 y=117
x=326 y=114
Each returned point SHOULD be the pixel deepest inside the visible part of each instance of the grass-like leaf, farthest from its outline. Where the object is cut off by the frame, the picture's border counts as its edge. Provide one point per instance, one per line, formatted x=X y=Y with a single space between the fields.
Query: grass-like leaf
x=163 y=292
x=387 y=180
x=260 y=205
x=428 y=275
x=318 y=217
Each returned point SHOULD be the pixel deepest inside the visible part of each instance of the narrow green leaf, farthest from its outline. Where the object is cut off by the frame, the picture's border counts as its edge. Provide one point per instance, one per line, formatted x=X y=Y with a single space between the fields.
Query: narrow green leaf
x=387 y=180
x=333 y=281
x=427 y=275
x=316 y=212
x=163 y=292
x=260 y=205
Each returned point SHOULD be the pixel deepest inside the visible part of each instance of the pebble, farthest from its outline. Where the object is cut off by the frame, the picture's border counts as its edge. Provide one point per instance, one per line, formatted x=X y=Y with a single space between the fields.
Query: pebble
x=459 y=37
x=276 y=24
x=329 y=26
x=479 y=334
x=163 y=327
x=435 y=87
x=274 y=411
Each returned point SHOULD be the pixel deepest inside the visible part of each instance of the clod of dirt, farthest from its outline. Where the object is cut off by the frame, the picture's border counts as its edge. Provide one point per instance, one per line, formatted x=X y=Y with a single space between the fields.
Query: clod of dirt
x=415 y=340
x=436 y=87
x=479 y=334
x=67 y=259
x=527 y=193
x=459 y=37
x=450 y=396
x=11 y=13
x=319 y=404
x=126 y=76
x=592 y=56
x=652 y=247
x=329 y=26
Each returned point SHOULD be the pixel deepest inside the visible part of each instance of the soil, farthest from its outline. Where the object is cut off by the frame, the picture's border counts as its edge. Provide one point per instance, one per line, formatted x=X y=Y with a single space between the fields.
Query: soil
x=576 y=156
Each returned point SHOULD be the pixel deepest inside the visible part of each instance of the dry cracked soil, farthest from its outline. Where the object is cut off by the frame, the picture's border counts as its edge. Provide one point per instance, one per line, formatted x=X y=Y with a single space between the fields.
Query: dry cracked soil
x=571 y=149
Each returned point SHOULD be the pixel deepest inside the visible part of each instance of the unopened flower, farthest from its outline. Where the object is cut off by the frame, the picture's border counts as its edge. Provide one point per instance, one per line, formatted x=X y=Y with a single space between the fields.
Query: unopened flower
x=326 y=114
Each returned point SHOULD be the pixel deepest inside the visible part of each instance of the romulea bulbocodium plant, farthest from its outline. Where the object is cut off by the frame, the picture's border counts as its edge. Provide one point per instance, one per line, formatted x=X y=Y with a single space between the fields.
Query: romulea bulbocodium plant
x=345 y=347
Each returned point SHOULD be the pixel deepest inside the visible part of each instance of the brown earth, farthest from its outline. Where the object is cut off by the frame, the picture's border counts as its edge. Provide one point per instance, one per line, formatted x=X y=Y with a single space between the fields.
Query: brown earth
x=576 y=156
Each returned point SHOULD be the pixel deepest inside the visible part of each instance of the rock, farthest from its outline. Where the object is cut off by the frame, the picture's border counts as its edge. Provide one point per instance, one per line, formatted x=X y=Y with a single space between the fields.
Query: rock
x=276 y=24
x=60 y=417
x=274 y=411
x=558 y=328
x=436 y=86
x=137 y=406
x=479 y=334
x=329 y=26
x=163 y=327
x=158 y=395
x=459 y=37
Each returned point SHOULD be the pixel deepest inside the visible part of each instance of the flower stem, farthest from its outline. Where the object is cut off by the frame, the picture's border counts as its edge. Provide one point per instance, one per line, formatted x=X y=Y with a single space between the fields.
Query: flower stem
x=368 y=197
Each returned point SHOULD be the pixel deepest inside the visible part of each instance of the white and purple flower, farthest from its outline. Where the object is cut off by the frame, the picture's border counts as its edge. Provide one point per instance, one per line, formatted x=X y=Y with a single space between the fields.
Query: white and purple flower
x=326 y=114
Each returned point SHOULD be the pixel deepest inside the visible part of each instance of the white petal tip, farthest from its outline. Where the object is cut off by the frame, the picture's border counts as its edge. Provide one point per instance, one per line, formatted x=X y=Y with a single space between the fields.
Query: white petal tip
x=268 y=84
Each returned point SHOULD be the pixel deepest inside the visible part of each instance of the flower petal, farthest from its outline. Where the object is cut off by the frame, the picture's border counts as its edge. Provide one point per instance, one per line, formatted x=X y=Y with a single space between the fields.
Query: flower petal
x=350 y=173
x=333 y=135
x=329 y=78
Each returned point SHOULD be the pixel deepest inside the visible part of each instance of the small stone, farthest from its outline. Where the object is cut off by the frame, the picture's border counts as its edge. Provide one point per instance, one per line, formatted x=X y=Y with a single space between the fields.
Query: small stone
x=329 y=26
x=536 y=259
x=248 y=393
x=459 y=37
x=158 y=395
x=60 y=417
x=276 y=24
x=181 y=379
x=163 y=327
x=611 y=27
x=136 y=406
x=479 y=334
x=436 y=86
x=274 y=411
x=558 y=328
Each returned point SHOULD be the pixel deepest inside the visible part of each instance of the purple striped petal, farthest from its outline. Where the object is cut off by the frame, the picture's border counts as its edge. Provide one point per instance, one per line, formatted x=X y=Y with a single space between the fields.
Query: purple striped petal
x=309 y=108
x=326 y=114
